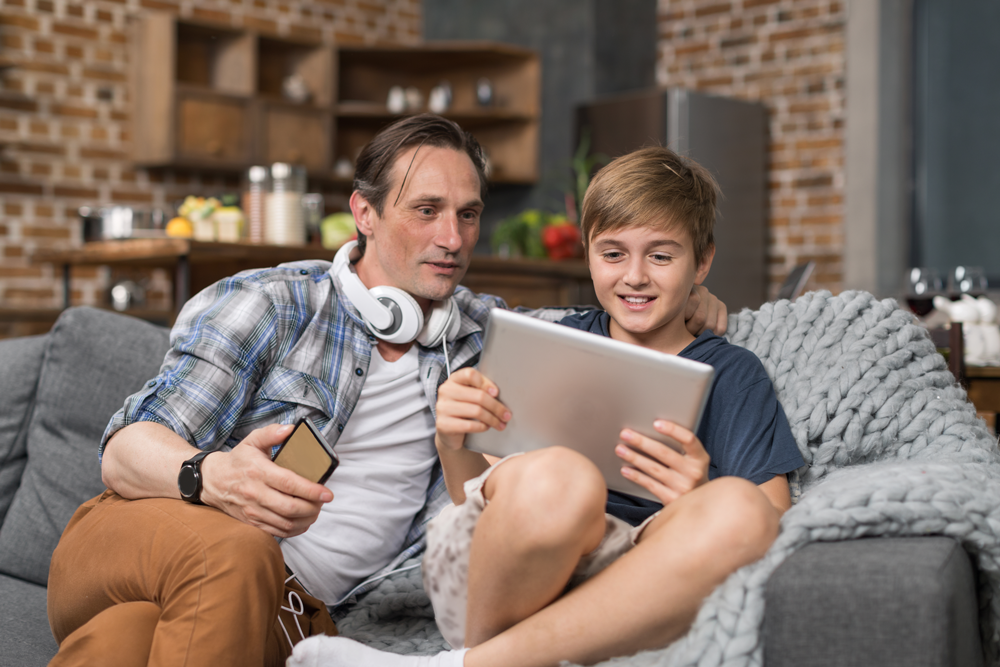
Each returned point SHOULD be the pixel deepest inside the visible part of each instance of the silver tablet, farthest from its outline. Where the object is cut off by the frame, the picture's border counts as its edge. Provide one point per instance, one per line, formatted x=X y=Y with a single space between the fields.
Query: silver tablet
x=577 y=389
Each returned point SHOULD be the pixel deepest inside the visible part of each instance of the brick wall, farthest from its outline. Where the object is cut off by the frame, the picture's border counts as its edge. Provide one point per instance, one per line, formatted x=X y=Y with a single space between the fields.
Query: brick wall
x=64 y=119
x=789 y=55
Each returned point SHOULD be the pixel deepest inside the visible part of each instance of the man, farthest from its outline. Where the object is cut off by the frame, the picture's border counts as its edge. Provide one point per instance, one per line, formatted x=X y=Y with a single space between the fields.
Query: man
x=156 y=570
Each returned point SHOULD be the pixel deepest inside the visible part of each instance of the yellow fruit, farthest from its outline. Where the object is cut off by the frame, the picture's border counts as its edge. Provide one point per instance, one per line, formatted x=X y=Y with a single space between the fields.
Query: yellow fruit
x=180 y=227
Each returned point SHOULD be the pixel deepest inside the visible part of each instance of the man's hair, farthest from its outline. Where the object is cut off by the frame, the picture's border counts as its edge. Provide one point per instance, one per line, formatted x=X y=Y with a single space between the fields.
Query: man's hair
x=373 y=171
x=652 y=186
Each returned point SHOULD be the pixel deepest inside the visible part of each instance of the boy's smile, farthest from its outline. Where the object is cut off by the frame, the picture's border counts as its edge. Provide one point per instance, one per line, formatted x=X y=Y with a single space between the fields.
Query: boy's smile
x=643 y=277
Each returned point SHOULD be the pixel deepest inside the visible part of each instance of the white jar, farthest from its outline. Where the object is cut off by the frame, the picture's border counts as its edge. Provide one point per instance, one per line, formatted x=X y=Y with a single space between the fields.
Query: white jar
x=283 y=215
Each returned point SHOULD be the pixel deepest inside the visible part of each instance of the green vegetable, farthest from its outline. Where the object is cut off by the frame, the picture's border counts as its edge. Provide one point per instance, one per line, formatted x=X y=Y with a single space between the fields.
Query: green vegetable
x=337 y=229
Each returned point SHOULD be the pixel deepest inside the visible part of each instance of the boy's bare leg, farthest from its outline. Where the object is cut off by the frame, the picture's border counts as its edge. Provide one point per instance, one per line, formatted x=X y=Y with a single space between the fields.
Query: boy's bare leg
x=545 y=511
x=646 y=599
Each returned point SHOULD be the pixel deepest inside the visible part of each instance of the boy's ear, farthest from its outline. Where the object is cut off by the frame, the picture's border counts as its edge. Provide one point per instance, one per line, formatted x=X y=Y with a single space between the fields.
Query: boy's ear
x=705 y=266
x=363 y=213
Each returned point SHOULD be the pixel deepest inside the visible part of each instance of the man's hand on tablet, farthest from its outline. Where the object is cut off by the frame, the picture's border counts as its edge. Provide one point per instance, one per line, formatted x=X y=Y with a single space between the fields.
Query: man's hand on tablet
x=705 y=311
x=662 y=470
x=467 y=403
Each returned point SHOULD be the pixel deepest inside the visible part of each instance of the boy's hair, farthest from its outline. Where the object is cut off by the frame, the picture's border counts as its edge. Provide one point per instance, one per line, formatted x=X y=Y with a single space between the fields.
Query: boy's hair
x=652 y=186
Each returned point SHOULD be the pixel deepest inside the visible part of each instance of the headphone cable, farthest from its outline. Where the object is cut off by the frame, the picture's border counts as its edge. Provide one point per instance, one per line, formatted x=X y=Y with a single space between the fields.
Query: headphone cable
x=444 y=346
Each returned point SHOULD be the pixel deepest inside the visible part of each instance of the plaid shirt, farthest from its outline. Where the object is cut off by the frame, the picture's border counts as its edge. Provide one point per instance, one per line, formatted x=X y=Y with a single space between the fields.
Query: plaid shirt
x=272 y=345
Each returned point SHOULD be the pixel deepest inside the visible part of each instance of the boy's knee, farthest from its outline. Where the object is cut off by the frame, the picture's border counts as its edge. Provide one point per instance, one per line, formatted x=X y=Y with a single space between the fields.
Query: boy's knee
x=557 y=488
x=744 y=521
x=731 y=522
x=558 y=477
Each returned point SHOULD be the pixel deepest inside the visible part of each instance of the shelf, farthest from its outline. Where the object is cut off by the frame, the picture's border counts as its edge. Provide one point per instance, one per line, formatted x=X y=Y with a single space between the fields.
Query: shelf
x=215 y=57
x=195 y=264
x=508 y=129
x=435 y=56
x=29 y=314
x=193 y=89
x=379 y=112
x=278 y=59
x=278 y=101
x=982 y=371
x=211 y=97
x=198 y=264
x=166 y=251
x=213 y=127
x=532 y=283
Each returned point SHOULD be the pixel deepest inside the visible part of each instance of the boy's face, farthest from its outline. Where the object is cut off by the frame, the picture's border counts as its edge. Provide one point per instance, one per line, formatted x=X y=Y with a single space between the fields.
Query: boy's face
x=643 y=276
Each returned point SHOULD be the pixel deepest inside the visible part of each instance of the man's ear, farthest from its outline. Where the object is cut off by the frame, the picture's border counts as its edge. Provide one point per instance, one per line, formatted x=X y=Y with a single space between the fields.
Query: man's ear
x=364 y=213
x=705 y=266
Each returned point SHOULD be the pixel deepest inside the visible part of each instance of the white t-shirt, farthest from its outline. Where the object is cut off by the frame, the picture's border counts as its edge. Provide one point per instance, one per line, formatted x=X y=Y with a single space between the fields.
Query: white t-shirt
x=386 y=456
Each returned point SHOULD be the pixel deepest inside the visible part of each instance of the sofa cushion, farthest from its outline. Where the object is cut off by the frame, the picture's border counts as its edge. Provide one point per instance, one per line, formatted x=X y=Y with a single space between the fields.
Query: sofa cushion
x=902 y=601
x=26 y=640
x=93 y=360
x=20 y=364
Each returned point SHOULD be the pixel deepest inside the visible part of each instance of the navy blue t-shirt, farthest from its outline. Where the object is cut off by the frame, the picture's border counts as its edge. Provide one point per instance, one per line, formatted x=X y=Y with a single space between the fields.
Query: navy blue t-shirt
x=743 y=429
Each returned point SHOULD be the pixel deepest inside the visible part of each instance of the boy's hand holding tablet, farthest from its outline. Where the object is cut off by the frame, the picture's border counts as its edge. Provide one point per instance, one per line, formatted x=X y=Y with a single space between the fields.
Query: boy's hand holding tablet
x=662 y=470
x=467 y=403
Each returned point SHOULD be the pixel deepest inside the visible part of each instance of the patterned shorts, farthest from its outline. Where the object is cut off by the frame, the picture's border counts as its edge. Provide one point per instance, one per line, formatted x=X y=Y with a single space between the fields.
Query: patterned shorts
x=449 y=540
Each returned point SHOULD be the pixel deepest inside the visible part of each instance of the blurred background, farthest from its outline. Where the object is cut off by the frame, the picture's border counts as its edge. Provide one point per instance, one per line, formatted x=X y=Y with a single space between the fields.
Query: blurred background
x=857 y=135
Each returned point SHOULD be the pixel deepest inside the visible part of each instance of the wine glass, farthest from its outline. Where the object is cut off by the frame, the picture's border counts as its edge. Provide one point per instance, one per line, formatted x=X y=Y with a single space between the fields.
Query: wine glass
x=922 y=285
x=969 y=280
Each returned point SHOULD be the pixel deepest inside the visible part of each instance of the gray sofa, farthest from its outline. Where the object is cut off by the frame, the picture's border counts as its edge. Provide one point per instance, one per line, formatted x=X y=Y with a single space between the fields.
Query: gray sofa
x=884 y=601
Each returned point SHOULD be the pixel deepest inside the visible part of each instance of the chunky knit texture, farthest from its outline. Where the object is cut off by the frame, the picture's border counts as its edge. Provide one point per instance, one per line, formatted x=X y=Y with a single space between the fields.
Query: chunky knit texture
x=892 y=447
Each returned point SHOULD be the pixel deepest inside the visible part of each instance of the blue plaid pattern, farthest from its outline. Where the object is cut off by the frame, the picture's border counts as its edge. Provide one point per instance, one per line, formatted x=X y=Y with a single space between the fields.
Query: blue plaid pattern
x=270 y=346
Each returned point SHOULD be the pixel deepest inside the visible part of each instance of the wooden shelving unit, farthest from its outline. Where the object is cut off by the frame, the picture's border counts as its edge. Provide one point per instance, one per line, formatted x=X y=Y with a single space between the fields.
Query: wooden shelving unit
x=210 y=97
x=507 y=128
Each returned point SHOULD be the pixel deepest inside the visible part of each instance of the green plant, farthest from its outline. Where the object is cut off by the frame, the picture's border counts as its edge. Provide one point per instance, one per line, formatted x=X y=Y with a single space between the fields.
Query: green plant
x=524 y=234
x=521 y=235
x=583 y=165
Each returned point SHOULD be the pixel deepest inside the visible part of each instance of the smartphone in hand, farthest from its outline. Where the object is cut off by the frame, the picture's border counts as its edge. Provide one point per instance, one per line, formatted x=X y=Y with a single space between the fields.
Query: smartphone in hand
x=307 y=453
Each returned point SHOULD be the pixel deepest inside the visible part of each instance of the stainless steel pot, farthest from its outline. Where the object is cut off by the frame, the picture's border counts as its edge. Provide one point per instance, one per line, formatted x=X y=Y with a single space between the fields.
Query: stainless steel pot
x=119 y=222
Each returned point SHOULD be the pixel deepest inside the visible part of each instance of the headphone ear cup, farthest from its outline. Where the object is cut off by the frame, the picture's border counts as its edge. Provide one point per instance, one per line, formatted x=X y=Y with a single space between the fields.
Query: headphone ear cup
x=408 y=319
x=376 y=315
x=443 y=323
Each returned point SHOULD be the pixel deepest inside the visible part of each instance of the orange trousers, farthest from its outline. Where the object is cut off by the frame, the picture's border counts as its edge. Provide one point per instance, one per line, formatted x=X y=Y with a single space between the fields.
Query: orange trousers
x=164 y=582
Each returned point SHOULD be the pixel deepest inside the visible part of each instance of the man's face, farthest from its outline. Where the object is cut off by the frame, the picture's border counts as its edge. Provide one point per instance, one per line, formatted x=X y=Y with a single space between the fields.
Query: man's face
x=422 y=242
x=643 y=278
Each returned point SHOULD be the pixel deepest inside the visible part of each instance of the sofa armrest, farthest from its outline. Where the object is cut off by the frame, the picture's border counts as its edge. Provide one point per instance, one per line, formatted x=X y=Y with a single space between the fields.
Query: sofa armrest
x=878 y=601
x=93 y=359
x=20 y=366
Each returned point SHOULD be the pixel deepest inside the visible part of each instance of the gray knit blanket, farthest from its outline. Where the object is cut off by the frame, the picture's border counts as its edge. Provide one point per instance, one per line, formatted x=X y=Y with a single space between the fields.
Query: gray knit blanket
x=892 y=446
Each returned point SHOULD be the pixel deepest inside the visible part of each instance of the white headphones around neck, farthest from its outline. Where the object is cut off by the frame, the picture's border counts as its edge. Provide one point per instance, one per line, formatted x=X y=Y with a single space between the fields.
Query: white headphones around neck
x=390 y=313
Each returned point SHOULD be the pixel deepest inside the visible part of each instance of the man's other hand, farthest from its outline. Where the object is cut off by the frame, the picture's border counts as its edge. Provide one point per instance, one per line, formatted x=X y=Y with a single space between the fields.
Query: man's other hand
x=247 y=485
x=705 y=311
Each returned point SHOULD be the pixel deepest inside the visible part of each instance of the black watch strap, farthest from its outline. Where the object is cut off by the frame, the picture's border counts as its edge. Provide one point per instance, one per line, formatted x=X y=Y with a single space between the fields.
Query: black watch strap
x=189 y=480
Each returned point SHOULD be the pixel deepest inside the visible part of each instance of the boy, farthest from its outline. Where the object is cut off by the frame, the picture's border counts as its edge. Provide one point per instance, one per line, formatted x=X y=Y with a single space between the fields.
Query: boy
x=536 y=562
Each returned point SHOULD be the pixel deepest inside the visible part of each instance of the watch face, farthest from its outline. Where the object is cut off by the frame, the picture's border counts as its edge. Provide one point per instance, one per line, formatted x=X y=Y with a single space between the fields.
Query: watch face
x=188 y=482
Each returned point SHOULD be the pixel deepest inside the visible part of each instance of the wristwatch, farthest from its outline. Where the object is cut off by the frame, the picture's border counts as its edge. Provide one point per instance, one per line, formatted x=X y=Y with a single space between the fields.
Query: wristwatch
x=189 y=478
